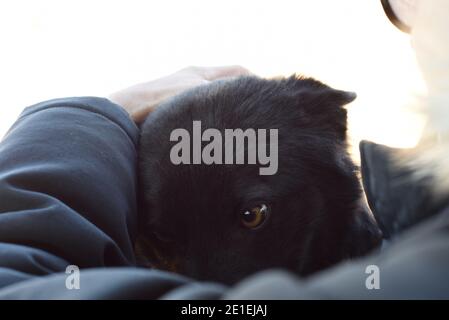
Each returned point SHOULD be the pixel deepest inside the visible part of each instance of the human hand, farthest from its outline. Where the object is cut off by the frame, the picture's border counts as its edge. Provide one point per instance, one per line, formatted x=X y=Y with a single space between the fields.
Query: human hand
x=141 y=99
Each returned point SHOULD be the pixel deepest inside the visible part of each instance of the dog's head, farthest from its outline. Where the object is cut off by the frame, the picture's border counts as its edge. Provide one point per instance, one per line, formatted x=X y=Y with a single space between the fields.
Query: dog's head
x=225 y=221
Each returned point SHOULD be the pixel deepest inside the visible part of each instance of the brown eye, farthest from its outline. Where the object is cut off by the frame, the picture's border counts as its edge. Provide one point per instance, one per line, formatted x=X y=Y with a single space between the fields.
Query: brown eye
x=254 y=217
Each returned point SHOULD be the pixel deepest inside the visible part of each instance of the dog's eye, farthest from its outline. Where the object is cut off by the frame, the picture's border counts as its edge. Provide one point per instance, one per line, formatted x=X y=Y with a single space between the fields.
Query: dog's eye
x=254 y=217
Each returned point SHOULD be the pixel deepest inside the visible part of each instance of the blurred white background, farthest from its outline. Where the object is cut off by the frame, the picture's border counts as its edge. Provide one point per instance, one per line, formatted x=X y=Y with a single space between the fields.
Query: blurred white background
x=55 y=48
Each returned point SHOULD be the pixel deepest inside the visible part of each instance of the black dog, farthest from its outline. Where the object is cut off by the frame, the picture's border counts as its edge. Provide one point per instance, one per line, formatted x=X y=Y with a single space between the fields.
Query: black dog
x=223 y=222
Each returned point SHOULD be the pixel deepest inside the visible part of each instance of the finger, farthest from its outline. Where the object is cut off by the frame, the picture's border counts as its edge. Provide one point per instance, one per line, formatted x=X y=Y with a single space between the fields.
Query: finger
x=214 y=73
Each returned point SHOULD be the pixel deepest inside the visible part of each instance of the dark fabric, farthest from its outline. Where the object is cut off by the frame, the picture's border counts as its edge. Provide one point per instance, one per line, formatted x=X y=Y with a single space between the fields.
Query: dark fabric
x=68 y=197
x=397 y=198
x=67 y=188
x=104 y=283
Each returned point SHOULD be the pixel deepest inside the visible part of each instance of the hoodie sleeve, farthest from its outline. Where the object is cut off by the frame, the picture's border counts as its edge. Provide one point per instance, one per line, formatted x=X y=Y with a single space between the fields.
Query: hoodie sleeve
x=67 y=189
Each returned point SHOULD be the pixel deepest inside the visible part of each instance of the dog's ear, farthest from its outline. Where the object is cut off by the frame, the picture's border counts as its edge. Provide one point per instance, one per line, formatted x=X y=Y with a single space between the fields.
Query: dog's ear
x=324 y=105
x=342 y=97
x=317 y=89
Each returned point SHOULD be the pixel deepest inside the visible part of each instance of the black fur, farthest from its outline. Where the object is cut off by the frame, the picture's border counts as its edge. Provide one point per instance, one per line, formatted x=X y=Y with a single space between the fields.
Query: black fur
x=190 y=213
